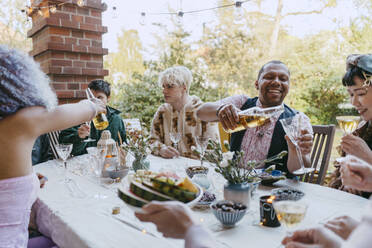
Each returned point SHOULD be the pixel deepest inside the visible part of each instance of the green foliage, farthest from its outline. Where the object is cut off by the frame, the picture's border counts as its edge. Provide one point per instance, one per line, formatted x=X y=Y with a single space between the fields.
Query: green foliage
x=141 y=97
x=322 y=98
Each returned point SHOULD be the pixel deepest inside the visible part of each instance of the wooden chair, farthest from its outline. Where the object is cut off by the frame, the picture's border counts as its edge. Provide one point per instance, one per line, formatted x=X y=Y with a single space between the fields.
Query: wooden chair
x=321 y=153
x=53 y=142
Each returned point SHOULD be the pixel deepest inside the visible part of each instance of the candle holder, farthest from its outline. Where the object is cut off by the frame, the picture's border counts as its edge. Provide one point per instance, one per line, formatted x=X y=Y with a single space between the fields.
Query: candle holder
x=267 y=212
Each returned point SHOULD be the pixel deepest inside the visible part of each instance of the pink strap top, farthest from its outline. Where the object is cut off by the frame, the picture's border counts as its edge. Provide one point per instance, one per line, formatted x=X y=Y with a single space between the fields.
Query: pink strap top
x=16 y=198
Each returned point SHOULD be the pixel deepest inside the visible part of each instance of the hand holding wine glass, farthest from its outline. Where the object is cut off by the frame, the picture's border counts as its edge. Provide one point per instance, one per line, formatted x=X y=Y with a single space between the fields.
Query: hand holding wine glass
x=292 y=127
x=100 y=120
x=84 y=131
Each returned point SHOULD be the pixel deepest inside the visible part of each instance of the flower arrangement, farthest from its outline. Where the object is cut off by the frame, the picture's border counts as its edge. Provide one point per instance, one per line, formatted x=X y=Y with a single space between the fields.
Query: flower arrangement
x=231 y=164
x=137 y=144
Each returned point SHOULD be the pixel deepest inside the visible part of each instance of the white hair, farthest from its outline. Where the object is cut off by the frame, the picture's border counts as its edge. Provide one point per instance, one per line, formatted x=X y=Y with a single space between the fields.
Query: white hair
x=176 y=75
x=22 y=83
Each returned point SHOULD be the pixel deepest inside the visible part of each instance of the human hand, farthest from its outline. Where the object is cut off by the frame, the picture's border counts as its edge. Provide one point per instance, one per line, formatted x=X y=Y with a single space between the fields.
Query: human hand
x=356 y=174
x=305 y=141
x=342 y=226
x=356 y=146
x=228 y=116
x=173 y=219
x=100 y=106
x=313 y=237
x=83 y=131
x=168 y=152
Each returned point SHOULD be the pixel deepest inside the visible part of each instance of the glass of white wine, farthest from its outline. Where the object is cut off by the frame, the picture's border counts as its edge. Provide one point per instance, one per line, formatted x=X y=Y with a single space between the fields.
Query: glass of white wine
x=290 y=213
x=100 y=120
x=175 y=137
x=292 y=127
x=348 y=123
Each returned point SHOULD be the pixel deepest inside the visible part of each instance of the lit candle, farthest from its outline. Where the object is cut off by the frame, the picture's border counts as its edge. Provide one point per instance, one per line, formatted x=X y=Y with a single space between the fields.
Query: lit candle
x=267 y=212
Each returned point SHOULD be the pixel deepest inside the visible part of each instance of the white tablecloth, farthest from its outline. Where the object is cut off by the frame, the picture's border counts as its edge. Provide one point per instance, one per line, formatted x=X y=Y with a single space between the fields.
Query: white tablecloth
x=87 y=222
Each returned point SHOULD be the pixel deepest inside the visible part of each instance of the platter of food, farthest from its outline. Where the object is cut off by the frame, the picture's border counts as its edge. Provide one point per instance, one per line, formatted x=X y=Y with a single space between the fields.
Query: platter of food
x=146 y=186
x=270 y=175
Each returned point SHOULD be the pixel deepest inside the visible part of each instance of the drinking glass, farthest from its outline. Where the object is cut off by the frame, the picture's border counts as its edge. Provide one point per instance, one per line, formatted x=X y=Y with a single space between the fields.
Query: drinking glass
x=64 y=151
x=175 y=137
x=97 y=157
x=290 y=213
x=202 y=143
x=89 y=139
x=348 y=123
x=292 y=127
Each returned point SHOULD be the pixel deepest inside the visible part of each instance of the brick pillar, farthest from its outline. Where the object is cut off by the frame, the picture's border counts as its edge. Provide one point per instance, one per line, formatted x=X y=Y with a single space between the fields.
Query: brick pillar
x=68 y=45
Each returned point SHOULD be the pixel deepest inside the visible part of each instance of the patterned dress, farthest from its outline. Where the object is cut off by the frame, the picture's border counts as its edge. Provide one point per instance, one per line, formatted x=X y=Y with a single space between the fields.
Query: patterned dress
x=168 y=120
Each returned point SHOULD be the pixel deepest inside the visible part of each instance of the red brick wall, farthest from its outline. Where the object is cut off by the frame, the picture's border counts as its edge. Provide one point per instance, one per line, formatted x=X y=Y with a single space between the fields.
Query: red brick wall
x=68 y=46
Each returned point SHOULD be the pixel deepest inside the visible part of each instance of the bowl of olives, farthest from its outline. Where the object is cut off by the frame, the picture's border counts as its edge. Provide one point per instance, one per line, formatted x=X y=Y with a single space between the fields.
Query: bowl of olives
x=228 y=212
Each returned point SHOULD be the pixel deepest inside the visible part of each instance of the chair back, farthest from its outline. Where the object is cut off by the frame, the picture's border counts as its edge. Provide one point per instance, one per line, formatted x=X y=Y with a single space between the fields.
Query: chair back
x=321 y=153
x=224 y=136
x=132 y=124
x=53 y=142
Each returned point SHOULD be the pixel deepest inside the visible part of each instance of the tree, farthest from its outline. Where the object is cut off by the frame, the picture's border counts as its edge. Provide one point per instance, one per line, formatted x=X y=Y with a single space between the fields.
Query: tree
x=127 y=60
x=141 y=97
x=14 y=25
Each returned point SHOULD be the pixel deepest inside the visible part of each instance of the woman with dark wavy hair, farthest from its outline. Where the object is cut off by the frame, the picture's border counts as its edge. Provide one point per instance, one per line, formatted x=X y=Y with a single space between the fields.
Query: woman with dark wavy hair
x=358 y=81
x=27 y=110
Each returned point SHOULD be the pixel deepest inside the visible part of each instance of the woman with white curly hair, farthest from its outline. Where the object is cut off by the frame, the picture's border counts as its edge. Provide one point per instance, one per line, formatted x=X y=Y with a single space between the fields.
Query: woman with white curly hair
x=178 y=115
x=27 y=110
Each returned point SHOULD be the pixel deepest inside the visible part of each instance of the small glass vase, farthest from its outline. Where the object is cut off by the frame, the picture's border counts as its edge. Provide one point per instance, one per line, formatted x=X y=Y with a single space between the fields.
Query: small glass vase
x=238 y=192
x=140 y=163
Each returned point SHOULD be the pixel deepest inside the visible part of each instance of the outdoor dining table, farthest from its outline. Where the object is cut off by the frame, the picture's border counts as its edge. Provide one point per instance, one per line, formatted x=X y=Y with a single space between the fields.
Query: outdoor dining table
x=81 y=220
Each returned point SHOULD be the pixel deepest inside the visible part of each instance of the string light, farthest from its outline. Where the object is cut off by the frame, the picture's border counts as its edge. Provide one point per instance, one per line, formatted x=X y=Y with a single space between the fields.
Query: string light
x=53 y=9
x=115 y=13
x=179 y=18
x=239 y=12
x=142 y=20
x=80 y=3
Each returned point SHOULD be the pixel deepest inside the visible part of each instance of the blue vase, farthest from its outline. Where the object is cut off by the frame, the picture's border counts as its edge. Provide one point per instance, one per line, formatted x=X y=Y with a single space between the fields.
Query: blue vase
x=239 y=192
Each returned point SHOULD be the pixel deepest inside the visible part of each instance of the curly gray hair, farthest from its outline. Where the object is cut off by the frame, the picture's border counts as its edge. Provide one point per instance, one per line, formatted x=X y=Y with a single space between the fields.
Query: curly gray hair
x=22 y=83
x=176 y=75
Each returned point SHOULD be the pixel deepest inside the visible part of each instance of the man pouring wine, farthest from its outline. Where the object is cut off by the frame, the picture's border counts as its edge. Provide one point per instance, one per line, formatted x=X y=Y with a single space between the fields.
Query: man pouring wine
x=267 y=138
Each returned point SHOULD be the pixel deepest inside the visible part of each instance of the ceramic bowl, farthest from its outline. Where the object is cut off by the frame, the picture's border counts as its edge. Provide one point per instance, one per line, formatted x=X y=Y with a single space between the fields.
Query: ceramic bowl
x=193 y=170
x=114 y=174
x=282 y=194
x=228 y=216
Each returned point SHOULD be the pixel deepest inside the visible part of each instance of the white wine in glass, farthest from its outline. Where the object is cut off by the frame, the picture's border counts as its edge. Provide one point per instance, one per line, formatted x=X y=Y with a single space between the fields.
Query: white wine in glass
x=348 y=123
x=290 y=213
x=100 y=121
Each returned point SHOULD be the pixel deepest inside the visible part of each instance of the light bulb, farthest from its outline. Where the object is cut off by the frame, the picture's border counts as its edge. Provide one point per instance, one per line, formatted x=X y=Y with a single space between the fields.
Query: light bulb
x=239 y=12
x=29 y=10
x=142 y=20
x=179 y=18
x=114 y=13
x=53 y=9
x=81 y=3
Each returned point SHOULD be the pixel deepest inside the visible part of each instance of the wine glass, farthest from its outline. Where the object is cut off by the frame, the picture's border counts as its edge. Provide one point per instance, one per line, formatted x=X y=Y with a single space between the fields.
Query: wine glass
x=64 y=151
x=175 y=137
x=348 y=123
x=290 y=213
x=292 y=128
x=100 y=121
x=97 y=157
x=89 y=139
x=202 y=142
